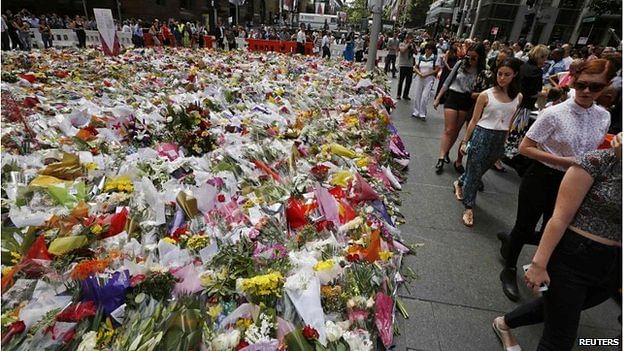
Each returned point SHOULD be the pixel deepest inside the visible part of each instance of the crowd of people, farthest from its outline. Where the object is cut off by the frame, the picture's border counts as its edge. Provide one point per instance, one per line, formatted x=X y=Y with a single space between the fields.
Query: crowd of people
x=544 y=110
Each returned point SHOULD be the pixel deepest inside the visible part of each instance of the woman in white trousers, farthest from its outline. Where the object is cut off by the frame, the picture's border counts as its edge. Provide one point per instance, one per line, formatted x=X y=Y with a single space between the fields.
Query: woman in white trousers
x=426 y=69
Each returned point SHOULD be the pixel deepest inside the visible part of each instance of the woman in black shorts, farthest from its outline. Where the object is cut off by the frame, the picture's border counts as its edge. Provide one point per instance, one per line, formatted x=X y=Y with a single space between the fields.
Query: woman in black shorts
x=459 y=86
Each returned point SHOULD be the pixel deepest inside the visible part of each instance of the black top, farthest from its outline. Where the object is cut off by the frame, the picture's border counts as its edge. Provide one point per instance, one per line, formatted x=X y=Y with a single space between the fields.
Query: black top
x=530 y=84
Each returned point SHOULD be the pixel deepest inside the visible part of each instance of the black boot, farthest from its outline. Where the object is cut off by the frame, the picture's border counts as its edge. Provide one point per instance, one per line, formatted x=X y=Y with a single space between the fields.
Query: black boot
x=510 y=286
x=504 y=239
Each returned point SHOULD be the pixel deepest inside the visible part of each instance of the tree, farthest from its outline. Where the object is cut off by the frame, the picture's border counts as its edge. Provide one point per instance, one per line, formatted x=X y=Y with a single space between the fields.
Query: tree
x=418 y=13
x=357 y=10
x=606 y=7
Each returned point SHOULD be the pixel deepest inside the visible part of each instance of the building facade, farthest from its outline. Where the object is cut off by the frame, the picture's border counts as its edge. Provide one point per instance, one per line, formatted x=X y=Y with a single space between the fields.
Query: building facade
x=441 y=16
x=537 y=21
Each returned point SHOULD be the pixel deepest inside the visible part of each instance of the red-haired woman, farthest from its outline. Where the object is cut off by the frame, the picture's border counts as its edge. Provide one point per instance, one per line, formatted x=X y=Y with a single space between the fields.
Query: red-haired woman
x=560 y=135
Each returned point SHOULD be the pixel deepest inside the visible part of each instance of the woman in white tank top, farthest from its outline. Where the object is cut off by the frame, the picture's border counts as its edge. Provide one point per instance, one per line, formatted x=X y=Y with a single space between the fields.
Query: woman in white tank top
x=487 y=132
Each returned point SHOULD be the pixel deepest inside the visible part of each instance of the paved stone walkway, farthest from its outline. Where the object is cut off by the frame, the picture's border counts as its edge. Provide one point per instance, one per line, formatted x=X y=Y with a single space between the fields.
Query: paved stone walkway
x=457 y=293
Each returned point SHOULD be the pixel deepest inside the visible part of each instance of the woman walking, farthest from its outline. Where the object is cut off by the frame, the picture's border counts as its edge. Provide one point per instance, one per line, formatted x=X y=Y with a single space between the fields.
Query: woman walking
x=560 y=134
x=449 y=61
x=459 y=85
x=427 y=67
x=485 y=136
x=579 y=258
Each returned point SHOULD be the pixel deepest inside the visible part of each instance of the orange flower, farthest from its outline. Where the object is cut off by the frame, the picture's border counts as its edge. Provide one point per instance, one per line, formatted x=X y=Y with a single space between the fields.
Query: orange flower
x=87 y=268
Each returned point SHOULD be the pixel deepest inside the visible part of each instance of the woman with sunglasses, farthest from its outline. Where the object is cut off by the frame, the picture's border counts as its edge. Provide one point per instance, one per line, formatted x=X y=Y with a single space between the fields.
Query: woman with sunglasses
x=579 y=256
x=459 y=85
x=560 y=134
x=487 y=132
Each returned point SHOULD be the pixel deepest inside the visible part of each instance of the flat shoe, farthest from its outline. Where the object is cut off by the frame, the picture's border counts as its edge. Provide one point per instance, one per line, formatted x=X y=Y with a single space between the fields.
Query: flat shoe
x=468 y=218
x=457 y=189
x=499 y=334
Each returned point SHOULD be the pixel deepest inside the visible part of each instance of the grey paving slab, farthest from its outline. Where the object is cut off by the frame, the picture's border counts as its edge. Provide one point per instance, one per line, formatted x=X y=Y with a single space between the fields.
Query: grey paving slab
x=457 y=292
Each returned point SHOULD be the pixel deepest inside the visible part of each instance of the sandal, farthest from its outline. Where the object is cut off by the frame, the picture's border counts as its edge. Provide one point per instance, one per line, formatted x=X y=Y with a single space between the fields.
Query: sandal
x=447 y=159
x=468 y=218
x=499 y=333
x=458 y=190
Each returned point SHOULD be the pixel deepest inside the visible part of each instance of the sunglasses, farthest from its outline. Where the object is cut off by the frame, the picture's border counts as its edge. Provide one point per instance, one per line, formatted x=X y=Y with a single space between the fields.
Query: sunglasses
x=593 y=87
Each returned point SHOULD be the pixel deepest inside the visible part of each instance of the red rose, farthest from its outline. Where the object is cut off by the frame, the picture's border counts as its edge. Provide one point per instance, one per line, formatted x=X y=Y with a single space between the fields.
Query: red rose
x=13 y=329
x=221 y=198
x=310 y=333
x=69 y=336
x=77 y=312
x=137 y=279
x=353 y=257
x=241 y=345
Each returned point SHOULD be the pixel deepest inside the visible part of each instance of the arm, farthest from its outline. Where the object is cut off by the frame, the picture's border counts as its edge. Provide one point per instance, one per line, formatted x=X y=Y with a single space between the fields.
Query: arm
x=446 y=85
x=482 y=101
x=446 y=62
x=574 y=186
x=554 y=80
x=529 y=148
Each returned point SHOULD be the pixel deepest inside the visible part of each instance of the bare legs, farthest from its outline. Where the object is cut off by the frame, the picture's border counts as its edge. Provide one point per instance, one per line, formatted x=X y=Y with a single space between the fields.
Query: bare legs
x=453 y=122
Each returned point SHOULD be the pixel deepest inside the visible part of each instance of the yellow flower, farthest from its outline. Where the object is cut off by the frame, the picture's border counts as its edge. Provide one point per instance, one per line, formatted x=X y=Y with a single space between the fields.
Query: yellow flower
x=96 y=229
x=385 y=255
x=362 y=161
x=169 y=240
x=324 y=265
x=16 y=257
x=90 y=166
x=244 y=323
x=215 y=311
x=6 y=270
x=197 y=242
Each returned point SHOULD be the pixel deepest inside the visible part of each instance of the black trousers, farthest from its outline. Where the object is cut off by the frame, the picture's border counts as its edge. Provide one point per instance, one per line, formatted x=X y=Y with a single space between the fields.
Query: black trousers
x=405 y=74
x=583 y=274
x=47 y=40
x=359 y=56
x=301 y=48
x=6 y=43
x=15 y=40
x=390 y=60
x=536 y=198
x=326 y=52
x=82 y=38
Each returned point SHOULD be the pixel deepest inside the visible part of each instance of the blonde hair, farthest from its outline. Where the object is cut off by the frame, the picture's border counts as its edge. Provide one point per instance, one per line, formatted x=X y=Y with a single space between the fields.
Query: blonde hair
x=538 y=51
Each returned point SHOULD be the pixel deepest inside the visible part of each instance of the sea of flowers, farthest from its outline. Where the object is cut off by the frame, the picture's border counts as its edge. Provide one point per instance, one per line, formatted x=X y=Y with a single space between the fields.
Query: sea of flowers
x=198 y=200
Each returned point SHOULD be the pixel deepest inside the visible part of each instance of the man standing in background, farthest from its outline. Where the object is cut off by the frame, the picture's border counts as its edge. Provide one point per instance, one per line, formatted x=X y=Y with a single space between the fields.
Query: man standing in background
x=392 y=46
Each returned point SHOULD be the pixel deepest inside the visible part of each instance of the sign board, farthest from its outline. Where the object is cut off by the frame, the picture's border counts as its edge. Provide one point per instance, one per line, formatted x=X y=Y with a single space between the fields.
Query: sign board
x=589 y=19
x=582 y=40
x=494 y=30
x=108 y=31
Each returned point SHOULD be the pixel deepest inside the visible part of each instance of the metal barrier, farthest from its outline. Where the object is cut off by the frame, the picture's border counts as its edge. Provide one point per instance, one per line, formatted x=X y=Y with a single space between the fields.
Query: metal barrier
x=67 y=38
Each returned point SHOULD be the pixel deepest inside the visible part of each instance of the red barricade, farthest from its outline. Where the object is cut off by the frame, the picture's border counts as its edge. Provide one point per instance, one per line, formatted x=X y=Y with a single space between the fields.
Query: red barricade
x=287 y=47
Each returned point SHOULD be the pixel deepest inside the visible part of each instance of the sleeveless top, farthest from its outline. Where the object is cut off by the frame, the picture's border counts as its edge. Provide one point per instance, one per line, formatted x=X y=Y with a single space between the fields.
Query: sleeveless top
x=497 y=115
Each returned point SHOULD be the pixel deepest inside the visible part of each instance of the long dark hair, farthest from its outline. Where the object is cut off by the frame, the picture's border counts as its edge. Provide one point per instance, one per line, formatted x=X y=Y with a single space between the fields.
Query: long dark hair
x=514 y=87
x=480 y=50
